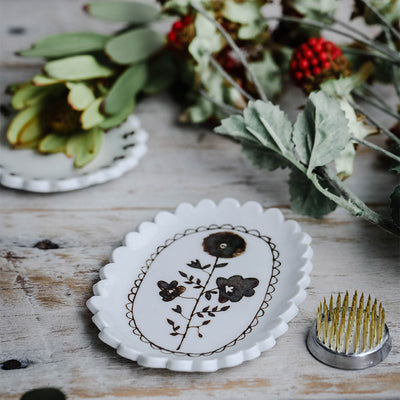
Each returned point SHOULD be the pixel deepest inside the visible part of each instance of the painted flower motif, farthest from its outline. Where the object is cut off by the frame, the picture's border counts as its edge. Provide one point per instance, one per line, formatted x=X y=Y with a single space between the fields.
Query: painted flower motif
x=235 y=287
x=224 y=245
x=169 y=291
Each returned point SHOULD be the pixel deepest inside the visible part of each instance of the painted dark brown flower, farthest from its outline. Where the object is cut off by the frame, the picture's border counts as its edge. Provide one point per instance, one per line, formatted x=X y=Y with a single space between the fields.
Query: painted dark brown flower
x=169 y=291
x=235 y=287
x=224 y=245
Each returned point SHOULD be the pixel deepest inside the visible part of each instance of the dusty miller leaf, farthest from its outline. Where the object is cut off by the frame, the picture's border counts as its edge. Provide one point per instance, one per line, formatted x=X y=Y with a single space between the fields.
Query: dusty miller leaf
x=320 y=132
x=395 y=205
x=305 y=199
x=320 y=10
x=262 y=157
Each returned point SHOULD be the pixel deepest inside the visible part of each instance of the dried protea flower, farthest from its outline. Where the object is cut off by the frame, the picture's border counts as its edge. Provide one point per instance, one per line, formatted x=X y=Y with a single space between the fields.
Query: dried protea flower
x=316 y=61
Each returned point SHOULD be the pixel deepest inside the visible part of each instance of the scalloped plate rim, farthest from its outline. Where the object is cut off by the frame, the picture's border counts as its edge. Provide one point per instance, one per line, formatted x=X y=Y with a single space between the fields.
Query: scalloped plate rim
x=96 y=177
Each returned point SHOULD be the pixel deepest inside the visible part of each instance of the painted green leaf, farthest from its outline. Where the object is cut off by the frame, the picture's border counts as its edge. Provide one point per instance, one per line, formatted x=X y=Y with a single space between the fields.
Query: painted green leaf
x=117 y=119
x=77 y=68
x=80 y=96
x=134 y=46
x=66 y=44
x=53 y=143
x=84 y=146
x=125 y=88
x=395 y=205
x=262 y=157
x=43 y=80
x=305 y=199
x=320 y=132
x=20 y=120
x=27 y=95
x=124 y=11
x=92 y=115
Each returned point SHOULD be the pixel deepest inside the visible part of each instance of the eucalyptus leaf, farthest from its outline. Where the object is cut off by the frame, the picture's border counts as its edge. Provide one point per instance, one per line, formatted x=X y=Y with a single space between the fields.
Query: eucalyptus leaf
x=305 y=199
x=134 y=45
x=133 y=12
x=117 y=119
x=27 y=95
x=80 y=95
x=92 y=115
x=53 y=143
x=43 y=80
x=320 y=132
x=77 y=68
x=20 y=120
x=125 y=88
x=84 y=146
x=66 y=44
x=31 y=131
x=395 y=205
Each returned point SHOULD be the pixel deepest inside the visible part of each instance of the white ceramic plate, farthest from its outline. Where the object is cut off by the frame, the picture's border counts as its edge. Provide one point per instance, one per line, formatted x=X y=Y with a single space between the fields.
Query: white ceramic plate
x=207 y=287
x=122 y=148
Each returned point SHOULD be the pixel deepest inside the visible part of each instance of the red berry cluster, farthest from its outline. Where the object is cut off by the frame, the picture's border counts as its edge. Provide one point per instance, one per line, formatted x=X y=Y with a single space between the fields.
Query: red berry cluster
x=181 y=33
x=316 y=61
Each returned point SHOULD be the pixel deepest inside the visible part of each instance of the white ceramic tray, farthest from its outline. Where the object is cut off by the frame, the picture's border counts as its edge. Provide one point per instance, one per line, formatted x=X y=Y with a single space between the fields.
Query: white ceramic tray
x=207 y=287
x=28 y=170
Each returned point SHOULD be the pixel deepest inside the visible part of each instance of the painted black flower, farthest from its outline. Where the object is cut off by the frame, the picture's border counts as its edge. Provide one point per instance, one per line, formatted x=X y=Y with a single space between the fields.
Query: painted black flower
x=224 y=244
x=169 y=291
x=235 y=287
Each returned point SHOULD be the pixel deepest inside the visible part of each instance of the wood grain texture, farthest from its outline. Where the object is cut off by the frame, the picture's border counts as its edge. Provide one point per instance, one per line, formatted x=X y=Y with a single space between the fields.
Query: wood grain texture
x=44 y=319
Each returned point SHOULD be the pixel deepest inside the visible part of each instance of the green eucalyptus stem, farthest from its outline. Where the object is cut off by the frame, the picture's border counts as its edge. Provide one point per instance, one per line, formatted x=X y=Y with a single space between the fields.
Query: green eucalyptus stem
x=377 y=148
x=395 y=71
x=365 y=53
x=381 y=107
x=219 y=68
x=226 y=108
x=364 y=211
x=375 y=122
x=394 y=57
x=370 y=91
x=234 y=47
x=383 y=20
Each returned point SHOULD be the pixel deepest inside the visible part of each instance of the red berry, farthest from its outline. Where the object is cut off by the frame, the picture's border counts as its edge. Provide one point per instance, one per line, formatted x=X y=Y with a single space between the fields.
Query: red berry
x=293 y=64
x=308 y=53
x=171 y=36
x=318 y=47
x=178 y=25
x=298 y=75
x=312 y=41
x=303 y=64
x=307 y=72
x=304 y=47
x=323 y=56
x=328 y=46
x=326 y=65
x=316 y=70
x=187 y=20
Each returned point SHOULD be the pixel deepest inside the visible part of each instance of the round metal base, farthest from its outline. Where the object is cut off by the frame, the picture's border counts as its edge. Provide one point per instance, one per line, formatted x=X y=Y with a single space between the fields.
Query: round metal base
x=360 y=360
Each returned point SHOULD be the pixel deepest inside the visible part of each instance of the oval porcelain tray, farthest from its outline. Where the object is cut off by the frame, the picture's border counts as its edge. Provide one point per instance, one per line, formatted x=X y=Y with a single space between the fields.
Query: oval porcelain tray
x=28 y=170
x=207 y=287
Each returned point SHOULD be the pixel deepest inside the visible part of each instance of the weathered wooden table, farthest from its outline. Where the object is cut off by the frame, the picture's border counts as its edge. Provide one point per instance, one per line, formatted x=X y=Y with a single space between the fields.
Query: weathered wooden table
x=44 y=320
